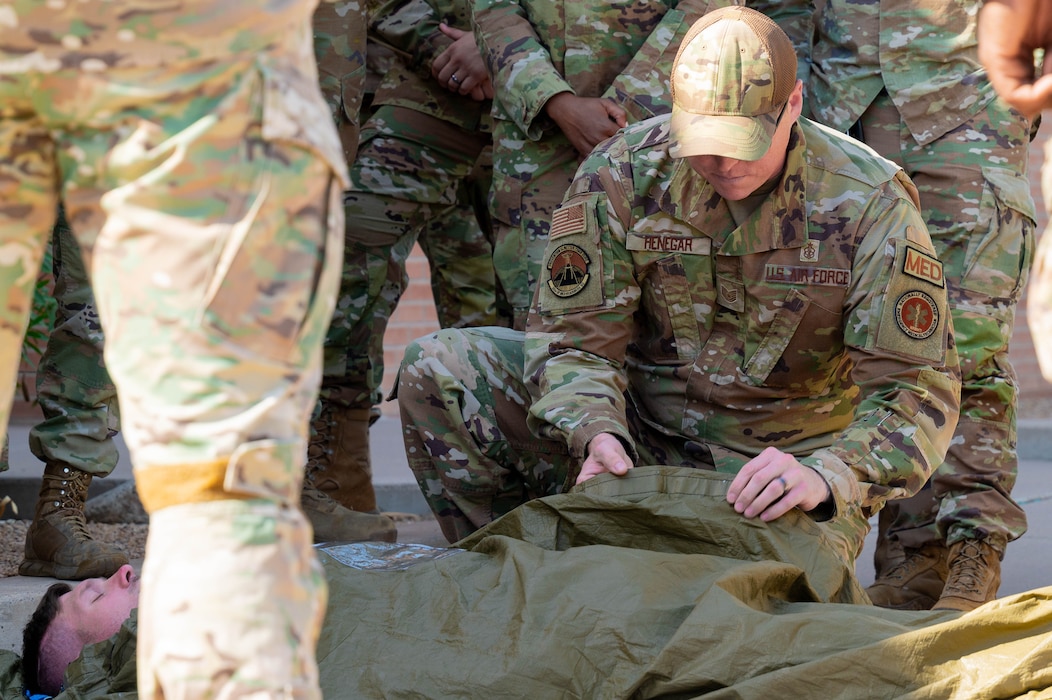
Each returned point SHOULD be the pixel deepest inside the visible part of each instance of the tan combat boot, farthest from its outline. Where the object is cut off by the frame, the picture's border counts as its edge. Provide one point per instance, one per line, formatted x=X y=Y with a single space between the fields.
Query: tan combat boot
x=338 y=458
x=914 y=583
x=975 y=576
x=889 y=552
x=57 y=543
x=334 y=523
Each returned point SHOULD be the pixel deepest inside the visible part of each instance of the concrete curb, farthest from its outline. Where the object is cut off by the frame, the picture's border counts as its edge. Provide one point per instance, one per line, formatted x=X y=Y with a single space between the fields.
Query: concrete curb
x=395 y=498
x=1035 y=443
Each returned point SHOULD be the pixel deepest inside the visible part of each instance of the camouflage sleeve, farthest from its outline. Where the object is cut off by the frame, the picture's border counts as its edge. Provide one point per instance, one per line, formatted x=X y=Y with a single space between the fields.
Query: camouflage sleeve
x=796 y=19
x=578 y=332
x=410 y=27
x=520 y=65
x=642 y=88
x=900 y=341
x=339 y=48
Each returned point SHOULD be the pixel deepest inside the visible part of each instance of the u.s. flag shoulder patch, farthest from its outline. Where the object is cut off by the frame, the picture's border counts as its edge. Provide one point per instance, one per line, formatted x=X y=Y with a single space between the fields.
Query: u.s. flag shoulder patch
x=569 y=219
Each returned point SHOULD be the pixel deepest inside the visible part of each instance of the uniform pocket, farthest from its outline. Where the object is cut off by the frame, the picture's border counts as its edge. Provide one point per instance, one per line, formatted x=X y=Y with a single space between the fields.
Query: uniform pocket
x=999 y=253
x=268 y=263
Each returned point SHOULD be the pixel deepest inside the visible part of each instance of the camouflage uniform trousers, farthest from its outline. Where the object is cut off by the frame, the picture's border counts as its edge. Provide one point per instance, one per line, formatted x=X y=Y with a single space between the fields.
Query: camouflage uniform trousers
x=75 y=392
x=415 y=178
x=464 y=409
x=199 y=170
x=529 y=181
x=975 y=198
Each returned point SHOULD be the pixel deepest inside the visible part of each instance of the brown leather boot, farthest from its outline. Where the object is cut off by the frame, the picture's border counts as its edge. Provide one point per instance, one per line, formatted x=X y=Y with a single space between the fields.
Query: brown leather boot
x=338 y=460
x=889 y=552
x=914 y=583
x=334 y=523
x=57 y=542
x=975 y=576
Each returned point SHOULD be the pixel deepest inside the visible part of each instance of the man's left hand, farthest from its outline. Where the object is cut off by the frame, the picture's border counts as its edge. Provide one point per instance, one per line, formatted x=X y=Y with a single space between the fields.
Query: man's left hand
x=773 y=483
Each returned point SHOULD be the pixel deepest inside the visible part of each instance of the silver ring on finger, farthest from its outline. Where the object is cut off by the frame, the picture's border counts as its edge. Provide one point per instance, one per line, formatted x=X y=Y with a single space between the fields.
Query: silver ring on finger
x=455 y=79
x=785 y=486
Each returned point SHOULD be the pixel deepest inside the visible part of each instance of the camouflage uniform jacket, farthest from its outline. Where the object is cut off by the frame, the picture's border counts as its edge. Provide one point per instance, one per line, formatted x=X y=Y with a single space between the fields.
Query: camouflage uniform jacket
x=621 y=49
x=339 y=48
x=924 y=53
x=410 y=27
x=819 y=326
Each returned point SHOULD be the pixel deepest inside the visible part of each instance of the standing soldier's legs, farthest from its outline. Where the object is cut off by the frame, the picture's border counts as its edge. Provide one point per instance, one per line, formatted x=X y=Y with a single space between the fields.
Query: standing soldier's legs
x=75 y=440
x=28 y=202
x=464 y=407
x=408 y=169
x=459 y=249
x=339 y=48
x=215 y=267
x=975 y=199
x=201 y=181
x=529 y=181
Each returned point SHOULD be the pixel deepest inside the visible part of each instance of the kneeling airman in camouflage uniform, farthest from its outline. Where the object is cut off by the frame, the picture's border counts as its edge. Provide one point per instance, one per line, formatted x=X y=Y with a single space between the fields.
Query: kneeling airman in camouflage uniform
x=729 y=287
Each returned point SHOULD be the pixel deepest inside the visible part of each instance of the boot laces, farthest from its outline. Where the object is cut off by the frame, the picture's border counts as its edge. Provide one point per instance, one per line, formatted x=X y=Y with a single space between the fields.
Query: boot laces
x=71 y=493
x=319 y=448
x=967 y=567
x=909 y=566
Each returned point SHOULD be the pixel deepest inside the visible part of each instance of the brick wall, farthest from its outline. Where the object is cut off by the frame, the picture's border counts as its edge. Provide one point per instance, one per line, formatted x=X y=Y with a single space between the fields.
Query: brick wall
x=415 y=315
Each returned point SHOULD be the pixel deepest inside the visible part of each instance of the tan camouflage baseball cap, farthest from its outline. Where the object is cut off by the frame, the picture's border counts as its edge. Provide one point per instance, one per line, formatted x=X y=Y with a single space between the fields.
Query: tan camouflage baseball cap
x=731 y=79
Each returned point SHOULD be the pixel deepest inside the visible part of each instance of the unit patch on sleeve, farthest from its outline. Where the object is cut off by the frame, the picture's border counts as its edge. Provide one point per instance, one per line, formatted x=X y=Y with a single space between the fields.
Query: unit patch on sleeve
x=572 y=278
x=568 y=270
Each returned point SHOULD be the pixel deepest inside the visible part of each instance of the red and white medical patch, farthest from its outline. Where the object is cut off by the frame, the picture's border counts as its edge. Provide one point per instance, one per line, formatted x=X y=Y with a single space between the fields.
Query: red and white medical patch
x=917 y=315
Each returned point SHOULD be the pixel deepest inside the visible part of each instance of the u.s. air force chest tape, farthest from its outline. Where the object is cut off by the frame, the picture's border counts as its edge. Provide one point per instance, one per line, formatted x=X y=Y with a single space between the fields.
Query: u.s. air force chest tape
x=572 y=278
x=914 y=315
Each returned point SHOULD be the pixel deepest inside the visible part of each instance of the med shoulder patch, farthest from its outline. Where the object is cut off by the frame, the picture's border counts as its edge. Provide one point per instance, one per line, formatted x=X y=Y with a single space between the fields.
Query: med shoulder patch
x=923 y=266
x=914 y=308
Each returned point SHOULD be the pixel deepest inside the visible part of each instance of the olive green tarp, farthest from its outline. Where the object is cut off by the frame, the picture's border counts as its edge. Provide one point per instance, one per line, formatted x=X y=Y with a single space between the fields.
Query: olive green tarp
x=652 y=586
x=643 y=586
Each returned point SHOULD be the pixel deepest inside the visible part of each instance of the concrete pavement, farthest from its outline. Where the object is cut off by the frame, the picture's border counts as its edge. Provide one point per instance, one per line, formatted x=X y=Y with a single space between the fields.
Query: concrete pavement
x=1026 y=564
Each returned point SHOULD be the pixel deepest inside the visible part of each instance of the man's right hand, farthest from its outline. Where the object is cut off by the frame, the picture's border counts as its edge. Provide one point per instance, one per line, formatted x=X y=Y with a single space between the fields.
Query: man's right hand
x=1009 y=33
x=586 y=121
x=606 y=455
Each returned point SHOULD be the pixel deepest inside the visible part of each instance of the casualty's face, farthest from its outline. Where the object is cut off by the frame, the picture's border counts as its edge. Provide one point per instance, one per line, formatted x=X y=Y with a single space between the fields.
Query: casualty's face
x=96 y=608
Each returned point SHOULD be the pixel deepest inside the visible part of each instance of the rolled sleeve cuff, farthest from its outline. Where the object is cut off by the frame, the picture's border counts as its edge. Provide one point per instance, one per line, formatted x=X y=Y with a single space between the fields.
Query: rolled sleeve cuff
x=841 y=479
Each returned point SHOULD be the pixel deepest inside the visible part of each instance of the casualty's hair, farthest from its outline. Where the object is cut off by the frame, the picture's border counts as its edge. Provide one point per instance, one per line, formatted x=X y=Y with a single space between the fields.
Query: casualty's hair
x=34 y=677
